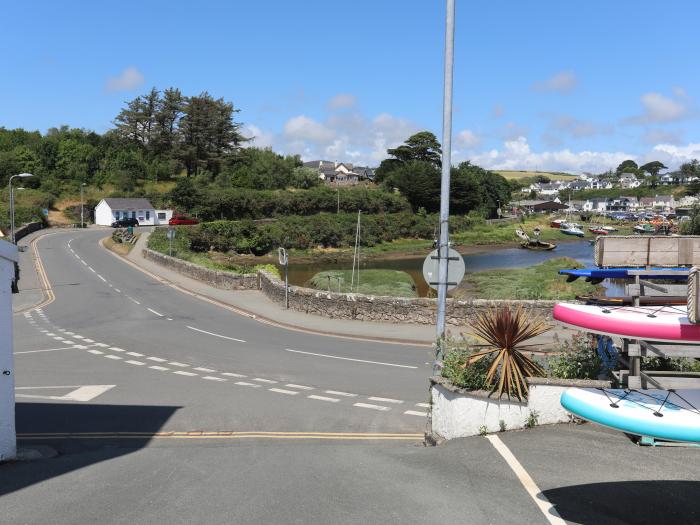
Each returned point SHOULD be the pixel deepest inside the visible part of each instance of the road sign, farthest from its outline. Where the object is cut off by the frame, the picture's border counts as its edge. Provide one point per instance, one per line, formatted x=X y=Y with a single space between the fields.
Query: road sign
x=283 y=257
x=455 y=269
x=171 y=233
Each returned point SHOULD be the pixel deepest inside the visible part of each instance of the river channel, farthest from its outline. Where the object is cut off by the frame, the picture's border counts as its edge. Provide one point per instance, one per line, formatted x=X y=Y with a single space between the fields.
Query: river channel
x=582 y=251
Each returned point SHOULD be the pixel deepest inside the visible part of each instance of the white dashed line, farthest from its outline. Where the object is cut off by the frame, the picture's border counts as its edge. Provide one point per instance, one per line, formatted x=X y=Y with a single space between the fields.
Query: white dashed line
x=117 y=290
x=92 y=269
x=175 y=363
x=385 y=400
x=117 y=349
x=415 y=413
x=80 y=347
x=82 y=261
x=96 y=352
x=67 y=342
x=75 y=336
x=216 y=335
x=181 y=373
x=154 y=312
x=45 y=350
x=69 y=333
x=243 y=383
x=231 y=374
x=261 y=380
x=201 y=369
x=98 y=275
x=323 y=398
x=137 y=363
x=350 y=359
x=134 y=300
x=212 y=378
x=61 y=329
x=344 y=394
x=135 y=354
x=371 y=407
x=300 y=387
x=50 y=334
x=423 y=405
x=156 y=367
x=169 y=318
x=156 y=359
x=88 y=340
x=282 y=391
x=59 y=338
x=110 y=356
x=101 y=345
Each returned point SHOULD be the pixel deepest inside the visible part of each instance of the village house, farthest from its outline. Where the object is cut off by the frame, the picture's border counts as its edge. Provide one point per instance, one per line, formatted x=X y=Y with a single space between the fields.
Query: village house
x=539 y=206
x=600 y=184
x=340 y=173
x=109 y=210
x=597 y=205
x=659 y=203
x=628 y=180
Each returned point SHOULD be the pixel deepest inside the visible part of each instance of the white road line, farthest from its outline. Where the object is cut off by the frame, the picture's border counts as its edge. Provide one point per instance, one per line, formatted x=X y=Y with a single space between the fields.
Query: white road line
x=117 y=349
x=98 y=275
x=527 y=482
x=212 y=378
x=323 y=398
x=69 y=333
x=88 y=340
x=44 y=331
x=231 y=374
x=67 y=342
x=101 y=345
x=61 y=329
x=110 y=356
x=300 y=387
x=137 y=363
x=385 y=400
x=283 y=391
x=344 y=394
x=350 y=359
x=117 y=290
x=50 y=334
x=156 y=367
x=261 y=380
x=415 y=413
x=169 y=318
x=81 y=347
x=78 y=336
x=423 y=405
x=134 y=300
x=216 y=335
x=154 y=312
x=175 y=363
x=182 y=373
x=59 y=338
x=202 y=369
x=372 y=407
x=44 y=350
x=92 y=269
x=82 y=261
x=96 y=352
x=156 y=359
x=243 y=383
x=135 y=354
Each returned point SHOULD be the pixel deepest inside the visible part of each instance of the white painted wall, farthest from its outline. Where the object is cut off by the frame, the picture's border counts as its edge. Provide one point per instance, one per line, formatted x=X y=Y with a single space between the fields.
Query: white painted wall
x=168 y=215
x=8 y=437
x=103 y=214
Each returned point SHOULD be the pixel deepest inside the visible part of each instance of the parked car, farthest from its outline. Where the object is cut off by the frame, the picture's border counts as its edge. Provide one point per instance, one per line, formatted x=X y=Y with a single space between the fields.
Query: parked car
x=182 y=219
x=124 y=223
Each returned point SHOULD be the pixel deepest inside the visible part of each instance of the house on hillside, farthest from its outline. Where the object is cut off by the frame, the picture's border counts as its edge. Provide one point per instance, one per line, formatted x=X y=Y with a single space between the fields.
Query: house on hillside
x=340 y=173
x=578 y=185
x=659 y=203
x=628 y=180
x=600 y=184
x=109 y=210
x=597 y=205
x=534 y=206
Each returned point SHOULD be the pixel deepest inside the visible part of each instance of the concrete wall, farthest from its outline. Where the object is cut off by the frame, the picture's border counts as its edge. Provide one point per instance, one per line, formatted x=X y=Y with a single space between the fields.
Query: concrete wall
x=8 y=439
x=215 y=278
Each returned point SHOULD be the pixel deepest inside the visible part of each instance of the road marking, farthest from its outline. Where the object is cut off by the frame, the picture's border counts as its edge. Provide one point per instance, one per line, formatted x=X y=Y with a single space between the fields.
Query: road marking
x=59 y=338
x=350 y=359
x=154 y=312
x=81 y=393
x=117 y=349
x=82 y=261
x=117 y=290
x=44 y=350
x=98 y=275
x=67 y=342
x=135 y=354
x=385 y=400
x=175 y=363
x=527 y=482
x=300 y=387
x=415 y=413
x=81 y=347
x=243 y=383
x=61 y=329
x=202 y=369
x=336 y=393
x=423 y=405
x=137 y=363
x=261 y=380
x=78 y=336
x=92 y=269
x=216 y=335
x=156 y=367
x=69 y=333
x=44 y=331
x=182 y=373
x=212 y=378
x=222 y=435
x=372 y=407
x=134 y=300
x=231 y=374
x=323 y=398
x=88 y=340
x=283 y=391
x=156 y=359
x=169 y=318
x=101 y=345
x=50 y=334
x=110 y=356
x=96 y=352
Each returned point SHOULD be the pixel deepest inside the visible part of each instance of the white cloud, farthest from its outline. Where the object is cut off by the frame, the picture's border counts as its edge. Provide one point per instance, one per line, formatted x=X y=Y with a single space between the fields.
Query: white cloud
x=563 y=82
x=130 y=78
x=258 y=138
x=659 y=108
x=673 y=156
x=468 y=139
x=342 y=100
x=660 y=136
x=304 y=128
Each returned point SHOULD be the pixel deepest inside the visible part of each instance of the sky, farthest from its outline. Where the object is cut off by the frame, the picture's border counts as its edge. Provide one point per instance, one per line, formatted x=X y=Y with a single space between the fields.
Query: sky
x=545 y=85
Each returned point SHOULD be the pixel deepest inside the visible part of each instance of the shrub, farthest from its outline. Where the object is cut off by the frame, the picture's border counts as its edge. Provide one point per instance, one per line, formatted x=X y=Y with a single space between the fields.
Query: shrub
x=462 y=375
x=577 y=359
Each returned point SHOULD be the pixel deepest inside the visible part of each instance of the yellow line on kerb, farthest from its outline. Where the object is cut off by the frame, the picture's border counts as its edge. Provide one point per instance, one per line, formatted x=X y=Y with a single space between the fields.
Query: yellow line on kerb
x=222 y=435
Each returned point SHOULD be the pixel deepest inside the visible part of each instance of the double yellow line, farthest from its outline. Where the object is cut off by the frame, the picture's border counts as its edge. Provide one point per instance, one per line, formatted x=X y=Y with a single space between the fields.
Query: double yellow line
x=44 y=283
x=337 y=436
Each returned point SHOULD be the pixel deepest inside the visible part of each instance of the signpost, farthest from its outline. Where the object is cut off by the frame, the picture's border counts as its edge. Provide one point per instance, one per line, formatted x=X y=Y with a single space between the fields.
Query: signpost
x=284 y=261
x=455 y=268
x=171 y=236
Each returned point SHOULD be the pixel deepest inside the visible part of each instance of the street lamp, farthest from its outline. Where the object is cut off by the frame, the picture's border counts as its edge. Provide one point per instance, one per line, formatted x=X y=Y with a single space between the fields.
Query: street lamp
x=82 y=225
x=12 y=205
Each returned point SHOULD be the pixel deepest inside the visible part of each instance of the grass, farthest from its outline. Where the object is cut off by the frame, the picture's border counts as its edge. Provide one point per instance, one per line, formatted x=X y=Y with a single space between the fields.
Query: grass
x=118 y=247
x=521 y=174
x=371 y=282
x=541 y=281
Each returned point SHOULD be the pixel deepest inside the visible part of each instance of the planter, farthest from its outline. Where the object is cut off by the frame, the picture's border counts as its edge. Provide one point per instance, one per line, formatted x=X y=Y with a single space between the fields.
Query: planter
x=460 y=413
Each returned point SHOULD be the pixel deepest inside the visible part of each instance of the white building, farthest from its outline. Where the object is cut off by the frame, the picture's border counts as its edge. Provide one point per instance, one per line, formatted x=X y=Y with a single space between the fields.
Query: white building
x=109 y=210
x=8 y=437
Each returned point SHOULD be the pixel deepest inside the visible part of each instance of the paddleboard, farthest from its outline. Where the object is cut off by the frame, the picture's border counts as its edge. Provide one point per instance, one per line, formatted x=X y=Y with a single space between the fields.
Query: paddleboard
x=662 y=414
x=650 y=323
x=599 y=274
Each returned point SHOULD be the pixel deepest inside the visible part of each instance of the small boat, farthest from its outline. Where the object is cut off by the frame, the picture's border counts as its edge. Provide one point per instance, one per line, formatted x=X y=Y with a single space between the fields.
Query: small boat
x=644 y=228
x=571 y=229
x=533 y=244
x=609 y=228
x=597 y=275
x=598 y=230
x=556 y=223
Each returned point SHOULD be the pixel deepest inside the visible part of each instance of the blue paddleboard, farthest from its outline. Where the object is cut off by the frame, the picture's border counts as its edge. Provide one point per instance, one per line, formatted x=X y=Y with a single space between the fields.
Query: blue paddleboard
x=598 y=274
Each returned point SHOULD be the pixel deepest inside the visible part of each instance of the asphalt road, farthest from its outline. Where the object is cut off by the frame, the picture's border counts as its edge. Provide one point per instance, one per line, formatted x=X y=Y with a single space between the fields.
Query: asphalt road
x=167 y=409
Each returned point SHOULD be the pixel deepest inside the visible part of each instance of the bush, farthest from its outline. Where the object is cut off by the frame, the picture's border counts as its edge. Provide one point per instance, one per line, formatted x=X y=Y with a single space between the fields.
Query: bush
x=578 y=359
x=471 y=377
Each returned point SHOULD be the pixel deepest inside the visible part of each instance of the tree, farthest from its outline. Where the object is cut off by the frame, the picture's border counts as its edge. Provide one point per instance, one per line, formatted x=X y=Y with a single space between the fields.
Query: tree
x=629 y=163
x=653 y=168
x=419 y=182
x=690 y=170
x=423 y=147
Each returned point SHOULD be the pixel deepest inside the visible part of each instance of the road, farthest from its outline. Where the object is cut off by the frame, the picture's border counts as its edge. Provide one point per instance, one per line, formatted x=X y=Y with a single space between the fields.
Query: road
x=168 y=409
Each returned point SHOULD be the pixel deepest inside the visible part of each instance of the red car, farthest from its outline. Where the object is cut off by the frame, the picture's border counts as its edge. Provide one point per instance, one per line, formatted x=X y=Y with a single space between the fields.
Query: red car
x=182 y=219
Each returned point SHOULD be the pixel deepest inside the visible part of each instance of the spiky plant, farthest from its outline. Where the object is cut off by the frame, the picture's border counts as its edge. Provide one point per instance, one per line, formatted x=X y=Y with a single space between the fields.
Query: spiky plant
x=504 y=331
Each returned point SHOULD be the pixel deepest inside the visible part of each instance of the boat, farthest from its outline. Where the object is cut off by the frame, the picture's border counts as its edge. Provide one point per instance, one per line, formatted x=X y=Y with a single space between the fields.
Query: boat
x=571 y=229
x=671 y=415
x=645 y=228
x=649 y=323
x=556 y=223
x=628 y=300
x=598 y=230
x=596 y=275
x=609 y=228
x=533 y=244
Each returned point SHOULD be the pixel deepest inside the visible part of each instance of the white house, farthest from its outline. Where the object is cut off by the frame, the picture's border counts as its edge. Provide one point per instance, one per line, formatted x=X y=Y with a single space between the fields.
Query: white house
x=628 y=180
x=109 y=210
x=8 y=438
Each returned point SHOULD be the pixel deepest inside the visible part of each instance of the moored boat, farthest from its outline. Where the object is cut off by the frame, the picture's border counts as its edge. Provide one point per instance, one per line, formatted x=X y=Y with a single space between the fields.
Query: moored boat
x=533 y=244
x=598 y=230
x=556 y=223
x=571 y=229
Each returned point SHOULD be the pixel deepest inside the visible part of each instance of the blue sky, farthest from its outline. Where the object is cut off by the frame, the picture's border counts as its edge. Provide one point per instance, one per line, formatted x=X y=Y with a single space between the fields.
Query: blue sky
x=544 y=85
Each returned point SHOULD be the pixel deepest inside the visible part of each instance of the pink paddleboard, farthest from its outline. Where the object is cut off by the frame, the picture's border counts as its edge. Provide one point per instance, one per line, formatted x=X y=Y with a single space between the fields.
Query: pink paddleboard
x=650 y=323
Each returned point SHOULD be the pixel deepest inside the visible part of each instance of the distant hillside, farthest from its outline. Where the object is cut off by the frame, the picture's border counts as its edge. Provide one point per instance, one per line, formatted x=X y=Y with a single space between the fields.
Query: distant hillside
x=521 y=174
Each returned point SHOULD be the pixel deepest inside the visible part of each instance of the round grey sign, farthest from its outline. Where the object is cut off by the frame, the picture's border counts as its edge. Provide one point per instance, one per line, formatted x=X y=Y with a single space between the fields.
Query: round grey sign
x=455 y=269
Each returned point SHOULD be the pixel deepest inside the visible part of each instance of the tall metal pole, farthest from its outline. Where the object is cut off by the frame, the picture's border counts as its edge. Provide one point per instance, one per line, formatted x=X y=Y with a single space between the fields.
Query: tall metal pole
x=81 y=207
x=443 y=243
x=12 y=213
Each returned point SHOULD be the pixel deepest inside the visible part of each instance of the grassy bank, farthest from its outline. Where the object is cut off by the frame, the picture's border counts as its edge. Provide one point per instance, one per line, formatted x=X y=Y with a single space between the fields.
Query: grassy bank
x=541 y=281
x=119 y=247
x=371 y=282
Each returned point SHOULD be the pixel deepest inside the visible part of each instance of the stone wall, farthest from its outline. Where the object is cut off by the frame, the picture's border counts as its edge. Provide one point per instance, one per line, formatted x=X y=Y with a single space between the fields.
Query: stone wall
x=215 y=278
x=28 y=228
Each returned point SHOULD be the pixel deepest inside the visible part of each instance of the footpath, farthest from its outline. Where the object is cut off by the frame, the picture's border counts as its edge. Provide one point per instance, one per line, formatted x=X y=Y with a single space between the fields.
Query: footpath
x=30 y=285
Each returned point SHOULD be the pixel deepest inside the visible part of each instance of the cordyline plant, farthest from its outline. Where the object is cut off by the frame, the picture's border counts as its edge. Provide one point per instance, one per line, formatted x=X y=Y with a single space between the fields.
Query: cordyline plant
x=504 y=331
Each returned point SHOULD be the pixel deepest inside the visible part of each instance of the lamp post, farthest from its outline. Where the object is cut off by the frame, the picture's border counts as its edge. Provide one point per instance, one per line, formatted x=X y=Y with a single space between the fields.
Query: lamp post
x=82 y=220
x=12 y=205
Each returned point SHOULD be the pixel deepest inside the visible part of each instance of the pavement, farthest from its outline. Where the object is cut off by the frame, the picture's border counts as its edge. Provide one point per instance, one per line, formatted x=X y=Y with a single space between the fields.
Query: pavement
x=166 y=408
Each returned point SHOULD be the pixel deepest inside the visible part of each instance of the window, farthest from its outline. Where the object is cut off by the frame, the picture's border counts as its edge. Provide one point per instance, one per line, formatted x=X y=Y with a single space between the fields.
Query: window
x=148 y=215
x=116 y=214
x=133 y=214
x=161 y=215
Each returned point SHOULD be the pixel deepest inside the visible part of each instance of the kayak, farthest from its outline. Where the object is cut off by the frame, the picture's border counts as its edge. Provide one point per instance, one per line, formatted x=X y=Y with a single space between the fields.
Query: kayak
x=649 y=323
x=628 y=300
x=597 y=275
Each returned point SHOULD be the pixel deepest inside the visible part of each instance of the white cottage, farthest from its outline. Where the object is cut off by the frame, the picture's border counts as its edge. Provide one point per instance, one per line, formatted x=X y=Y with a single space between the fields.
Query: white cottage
x=109 y=210
x=8 y=437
